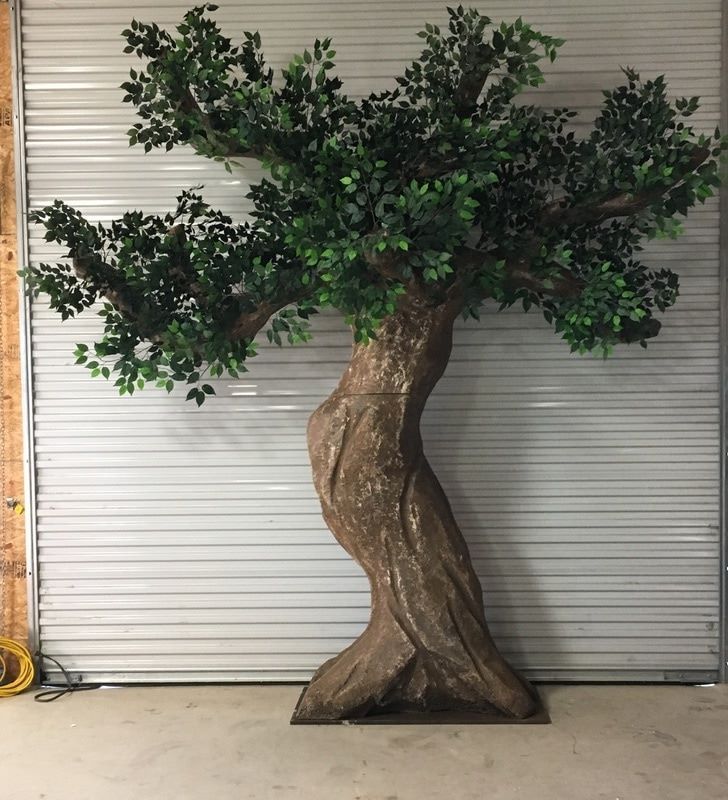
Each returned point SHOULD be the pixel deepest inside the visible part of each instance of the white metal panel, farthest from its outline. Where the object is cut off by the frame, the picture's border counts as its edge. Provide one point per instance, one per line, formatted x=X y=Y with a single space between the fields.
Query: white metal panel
x=185 y=544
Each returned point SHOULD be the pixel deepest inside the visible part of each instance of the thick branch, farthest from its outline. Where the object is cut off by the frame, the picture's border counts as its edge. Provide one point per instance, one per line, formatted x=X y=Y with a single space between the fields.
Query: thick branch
x=118 y=295
x=189 y=105
x=431 y=167
x=249 y=323
x=389 y=265
x=620 y=205
x=476 y=65
x=518 y=273
x=182 y=269
x=562 y=284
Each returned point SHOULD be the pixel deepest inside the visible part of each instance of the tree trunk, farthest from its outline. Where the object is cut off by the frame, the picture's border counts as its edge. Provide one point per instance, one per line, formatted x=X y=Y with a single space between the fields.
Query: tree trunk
x=427 y=645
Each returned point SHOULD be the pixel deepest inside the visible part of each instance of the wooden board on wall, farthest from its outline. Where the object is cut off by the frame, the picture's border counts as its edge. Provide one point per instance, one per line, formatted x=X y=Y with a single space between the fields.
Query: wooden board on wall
x=13 y=569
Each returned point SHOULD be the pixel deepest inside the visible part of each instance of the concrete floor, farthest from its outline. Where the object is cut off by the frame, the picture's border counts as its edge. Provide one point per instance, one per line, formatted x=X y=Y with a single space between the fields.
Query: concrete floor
x=234 y=743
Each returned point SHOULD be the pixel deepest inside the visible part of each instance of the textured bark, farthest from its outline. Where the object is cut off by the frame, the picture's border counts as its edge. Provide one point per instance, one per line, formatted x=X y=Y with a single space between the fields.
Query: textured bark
x=427 y=645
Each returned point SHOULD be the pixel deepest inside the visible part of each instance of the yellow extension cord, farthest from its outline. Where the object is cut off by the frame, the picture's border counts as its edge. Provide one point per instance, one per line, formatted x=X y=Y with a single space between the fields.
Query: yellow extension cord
x=27 y=669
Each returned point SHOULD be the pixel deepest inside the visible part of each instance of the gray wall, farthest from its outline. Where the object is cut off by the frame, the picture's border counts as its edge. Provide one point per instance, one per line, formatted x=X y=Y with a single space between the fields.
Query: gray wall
x=183 y=544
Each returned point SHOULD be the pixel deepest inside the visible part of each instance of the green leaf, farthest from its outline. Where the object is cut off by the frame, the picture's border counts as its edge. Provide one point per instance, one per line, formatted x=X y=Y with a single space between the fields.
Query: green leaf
x=347 y=179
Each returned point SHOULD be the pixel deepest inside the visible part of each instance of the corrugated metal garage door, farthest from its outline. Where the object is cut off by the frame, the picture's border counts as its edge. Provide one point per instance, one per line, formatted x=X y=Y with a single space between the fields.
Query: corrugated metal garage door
x=184 y=544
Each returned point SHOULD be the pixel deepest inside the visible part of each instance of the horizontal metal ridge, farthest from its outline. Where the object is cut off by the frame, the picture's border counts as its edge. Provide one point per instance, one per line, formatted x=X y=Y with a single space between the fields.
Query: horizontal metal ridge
x=178 y=544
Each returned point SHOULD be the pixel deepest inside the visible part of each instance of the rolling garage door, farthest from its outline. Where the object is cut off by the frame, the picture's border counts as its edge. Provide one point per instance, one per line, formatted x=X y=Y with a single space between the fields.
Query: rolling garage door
x=183 y=544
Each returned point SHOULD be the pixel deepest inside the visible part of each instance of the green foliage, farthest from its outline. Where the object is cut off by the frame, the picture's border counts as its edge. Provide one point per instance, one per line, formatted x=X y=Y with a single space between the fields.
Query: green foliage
x=175 y=290
x=444 y=186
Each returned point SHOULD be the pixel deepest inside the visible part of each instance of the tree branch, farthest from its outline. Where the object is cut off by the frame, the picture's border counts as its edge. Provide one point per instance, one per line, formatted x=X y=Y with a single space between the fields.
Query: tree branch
x=476 y=65
x=249 y=323
x=181 y=268
x=563 y=284
x=189 y=105
x=118 y=295
x=388 y=265
x=620 y=205
x=519 y=275
x=518 y=271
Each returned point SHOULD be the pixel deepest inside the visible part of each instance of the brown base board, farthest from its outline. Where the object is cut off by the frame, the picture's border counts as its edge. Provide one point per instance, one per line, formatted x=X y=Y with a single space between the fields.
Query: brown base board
x=540 y=717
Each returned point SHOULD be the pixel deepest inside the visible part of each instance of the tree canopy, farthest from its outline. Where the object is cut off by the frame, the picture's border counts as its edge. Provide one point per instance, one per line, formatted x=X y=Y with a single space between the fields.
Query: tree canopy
x=444 y=188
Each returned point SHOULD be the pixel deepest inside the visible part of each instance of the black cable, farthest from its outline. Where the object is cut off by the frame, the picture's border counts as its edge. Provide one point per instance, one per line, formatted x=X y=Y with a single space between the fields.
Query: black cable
x=53 y=693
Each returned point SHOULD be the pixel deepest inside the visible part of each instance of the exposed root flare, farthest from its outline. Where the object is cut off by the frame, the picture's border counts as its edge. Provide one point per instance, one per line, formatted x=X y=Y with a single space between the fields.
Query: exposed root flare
x=376 y=675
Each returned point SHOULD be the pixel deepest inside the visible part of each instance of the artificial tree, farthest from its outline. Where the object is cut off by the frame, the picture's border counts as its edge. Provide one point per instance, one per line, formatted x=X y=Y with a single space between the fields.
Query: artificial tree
x=404 y=211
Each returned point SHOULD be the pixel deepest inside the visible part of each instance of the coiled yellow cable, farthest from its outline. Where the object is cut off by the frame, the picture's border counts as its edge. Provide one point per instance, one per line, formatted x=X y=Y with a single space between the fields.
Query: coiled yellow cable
x=27 y=668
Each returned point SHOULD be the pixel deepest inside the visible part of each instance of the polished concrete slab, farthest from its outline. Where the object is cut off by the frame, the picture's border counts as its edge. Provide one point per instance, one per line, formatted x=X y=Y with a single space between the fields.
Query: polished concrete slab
x=235 y=743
